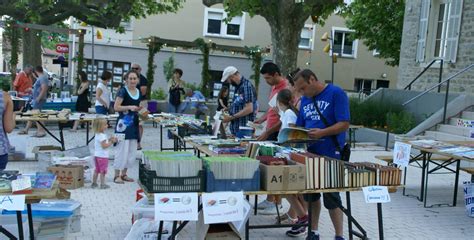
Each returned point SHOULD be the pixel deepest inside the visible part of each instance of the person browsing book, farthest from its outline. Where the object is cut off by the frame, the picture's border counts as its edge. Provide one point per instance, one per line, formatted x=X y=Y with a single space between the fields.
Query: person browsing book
x=244 y=103
x=286 y=110
x=325 y=111
x=271 y=73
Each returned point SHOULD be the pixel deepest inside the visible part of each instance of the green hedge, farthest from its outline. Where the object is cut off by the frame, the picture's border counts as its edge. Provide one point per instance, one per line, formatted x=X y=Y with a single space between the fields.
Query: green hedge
x=379 y=115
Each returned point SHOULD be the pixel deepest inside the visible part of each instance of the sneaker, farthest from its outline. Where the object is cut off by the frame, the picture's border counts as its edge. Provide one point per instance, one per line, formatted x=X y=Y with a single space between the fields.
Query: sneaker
x=94 y=185
x=104 y=186
x=265 y=204
x=285 y=219
x=339 y=238
x=313 y=236
x=298 y=231
x=270 y=210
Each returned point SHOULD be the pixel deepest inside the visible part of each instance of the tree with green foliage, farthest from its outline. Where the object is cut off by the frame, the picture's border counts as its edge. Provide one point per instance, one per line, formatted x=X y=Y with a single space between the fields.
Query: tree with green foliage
x=100 y=13
x=379 y=23
x=286 y=19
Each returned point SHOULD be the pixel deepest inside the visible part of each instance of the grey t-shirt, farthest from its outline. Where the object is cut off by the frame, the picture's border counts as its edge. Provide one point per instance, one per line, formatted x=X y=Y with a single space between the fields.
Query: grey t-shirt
x=37 y=90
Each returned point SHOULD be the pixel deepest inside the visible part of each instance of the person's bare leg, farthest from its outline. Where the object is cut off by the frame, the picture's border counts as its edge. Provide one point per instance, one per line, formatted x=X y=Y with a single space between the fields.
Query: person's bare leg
x=337 y=219
x=28 y=126
x=94 y=178
x=315 y=215
x=102 y=179
x=40 y=130
x=296 y=206
x=140 y=135
x=75 y=126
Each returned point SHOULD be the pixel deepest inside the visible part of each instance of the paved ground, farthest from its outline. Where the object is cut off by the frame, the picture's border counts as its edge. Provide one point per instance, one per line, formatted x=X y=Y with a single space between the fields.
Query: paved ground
x=107 y=213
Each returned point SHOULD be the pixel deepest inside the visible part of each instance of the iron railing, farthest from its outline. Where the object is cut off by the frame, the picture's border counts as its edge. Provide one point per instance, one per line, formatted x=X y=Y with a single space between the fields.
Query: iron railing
x=408 y=87
x=439 y=86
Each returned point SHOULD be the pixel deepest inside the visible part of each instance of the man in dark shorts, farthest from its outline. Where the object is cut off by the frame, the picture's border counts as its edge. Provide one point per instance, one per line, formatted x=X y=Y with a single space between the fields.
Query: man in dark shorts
x=333 y=104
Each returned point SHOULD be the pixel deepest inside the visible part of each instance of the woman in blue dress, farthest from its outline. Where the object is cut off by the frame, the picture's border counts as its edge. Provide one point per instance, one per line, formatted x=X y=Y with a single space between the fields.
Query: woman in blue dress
x=127 y=104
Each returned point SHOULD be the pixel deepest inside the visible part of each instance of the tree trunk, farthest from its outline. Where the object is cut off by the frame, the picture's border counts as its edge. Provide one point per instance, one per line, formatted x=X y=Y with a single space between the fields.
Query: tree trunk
x=32 y=47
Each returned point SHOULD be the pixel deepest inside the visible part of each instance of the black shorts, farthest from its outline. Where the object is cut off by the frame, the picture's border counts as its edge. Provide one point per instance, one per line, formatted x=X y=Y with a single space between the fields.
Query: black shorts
x=329 y=202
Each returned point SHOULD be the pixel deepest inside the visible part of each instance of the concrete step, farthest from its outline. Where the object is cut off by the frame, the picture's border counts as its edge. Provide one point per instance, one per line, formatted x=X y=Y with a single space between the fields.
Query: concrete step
x=461 y=122
x=442 y=136
x=467 y=115
x=455 y=130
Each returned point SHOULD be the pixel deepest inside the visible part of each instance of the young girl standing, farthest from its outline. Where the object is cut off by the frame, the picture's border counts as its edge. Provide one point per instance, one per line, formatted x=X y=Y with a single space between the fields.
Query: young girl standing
x=127 y=104
x=101 y=153
x=223 y=101
x=286 y=110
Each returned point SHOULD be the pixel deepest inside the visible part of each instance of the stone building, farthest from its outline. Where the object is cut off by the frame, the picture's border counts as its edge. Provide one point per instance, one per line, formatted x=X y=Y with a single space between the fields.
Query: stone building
x=438 y=29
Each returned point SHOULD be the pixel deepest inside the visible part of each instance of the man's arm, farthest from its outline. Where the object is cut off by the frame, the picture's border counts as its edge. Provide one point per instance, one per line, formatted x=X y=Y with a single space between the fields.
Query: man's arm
x=264 y=136
x=335 y=129
x=143 y=90
x=263 y=118
x=248 y=109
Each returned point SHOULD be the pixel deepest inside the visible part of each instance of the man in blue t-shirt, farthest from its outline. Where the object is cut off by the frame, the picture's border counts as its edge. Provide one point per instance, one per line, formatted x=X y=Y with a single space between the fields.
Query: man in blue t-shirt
x=333 y=104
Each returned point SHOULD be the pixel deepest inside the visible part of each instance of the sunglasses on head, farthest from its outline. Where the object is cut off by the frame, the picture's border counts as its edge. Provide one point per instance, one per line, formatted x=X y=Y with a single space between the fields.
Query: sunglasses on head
x=135 y=68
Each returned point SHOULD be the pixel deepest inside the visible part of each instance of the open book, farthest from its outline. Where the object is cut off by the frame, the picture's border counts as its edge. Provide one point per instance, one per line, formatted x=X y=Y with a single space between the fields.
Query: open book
x=293 y=134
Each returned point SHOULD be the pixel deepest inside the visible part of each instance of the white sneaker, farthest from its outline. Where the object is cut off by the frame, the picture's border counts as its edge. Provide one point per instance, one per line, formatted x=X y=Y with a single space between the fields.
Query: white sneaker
x=271 y=210
x=265 y=204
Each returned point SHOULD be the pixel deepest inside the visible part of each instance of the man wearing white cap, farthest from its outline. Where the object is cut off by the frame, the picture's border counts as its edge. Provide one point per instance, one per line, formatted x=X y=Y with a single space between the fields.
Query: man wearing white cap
x=244 y=103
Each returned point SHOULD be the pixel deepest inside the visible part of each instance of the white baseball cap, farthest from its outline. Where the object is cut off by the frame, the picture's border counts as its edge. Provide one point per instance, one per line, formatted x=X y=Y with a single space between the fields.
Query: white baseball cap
x=228 y=71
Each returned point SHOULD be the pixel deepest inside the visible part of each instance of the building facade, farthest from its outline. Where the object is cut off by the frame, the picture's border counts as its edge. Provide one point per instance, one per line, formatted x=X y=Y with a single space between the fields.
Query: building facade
x=357 y=68
x=438 y=29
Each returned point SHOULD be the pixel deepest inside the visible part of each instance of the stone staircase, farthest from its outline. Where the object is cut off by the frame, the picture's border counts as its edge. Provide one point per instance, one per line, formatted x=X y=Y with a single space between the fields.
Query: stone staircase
x=459 y=128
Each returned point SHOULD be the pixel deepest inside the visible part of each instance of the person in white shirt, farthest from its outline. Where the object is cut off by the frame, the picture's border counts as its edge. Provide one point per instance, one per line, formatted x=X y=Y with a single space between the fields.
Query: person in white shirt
x=101 y=152
x=102 y=99
x=286 y=110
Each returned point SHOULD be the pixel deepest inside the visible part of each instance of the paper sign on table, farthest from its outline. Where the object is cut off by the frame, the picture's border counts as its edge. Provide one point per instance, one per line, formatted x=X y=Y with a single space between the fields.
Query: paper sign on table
x=401 y=154
x=176 y=206
x=376 y=194
x=12 y=202
x=221 y=207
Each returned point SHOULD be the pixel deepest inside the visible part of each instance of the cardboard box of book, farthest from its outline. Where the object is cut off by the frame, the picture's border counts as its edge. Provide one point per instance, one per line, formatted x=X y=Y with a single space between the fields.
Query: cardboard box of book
x=283 y=177
x=69 y=176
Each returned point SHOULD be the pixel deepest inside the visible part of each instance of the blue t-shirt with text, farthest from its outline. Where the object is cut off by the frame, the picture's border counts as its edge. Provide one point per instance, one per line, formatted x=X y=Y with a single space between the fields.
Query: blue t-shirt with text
x=334 y=105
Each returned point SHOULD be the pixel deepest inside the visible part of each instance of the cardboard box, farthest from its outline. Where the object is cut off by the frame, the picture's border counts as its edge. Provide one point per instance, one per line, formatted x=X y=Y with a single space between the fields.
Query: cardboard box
x=69 y=177
x=283 y=177
x=37 y=150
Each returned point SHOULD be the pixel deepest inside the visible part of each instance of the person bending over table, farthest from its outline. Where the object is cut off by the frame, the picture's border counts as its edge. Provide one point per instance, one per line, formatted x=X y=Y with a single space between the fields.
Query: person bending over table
x=8 y=123
x=194 y=101
x=244 y=103
x=332 y=102
x=40 y=93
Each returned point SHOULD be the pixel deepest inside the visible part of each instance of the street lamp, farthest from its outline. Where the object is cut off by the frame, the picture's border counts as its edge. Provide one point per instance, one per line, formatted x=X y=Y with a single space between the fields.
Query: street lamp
x=327 y=48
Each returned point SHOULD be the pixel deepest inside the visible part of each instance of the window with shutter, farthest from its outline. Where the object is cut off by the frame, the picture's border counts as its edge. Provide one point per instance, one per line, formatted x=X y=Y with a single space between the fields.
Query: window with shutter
x=453 y=29
x=423 y=30
x=215 y=26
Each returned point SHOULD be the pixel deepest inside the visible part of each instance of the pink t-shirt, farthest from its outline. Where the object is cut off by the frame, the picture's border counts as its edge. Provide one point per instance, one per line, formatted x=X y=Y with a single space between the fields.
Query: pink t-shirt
x=272 y=115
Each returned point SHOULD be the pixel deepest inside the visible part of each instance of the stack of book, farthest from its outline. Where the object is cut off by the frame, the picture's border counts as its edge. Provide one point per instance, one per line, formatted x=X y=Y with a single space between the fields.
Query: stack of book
x=231 y=167
x=317 y=169
x=173 y=164
x=384 y=175
x=228 y=150
x=356 y=175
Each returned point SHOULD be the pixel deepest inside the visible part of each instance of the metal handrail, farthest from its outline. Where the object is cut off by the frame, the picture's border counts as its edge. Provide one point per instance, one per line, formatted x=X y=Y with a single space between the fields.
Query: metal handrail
x=408 y=87
x=439 y=86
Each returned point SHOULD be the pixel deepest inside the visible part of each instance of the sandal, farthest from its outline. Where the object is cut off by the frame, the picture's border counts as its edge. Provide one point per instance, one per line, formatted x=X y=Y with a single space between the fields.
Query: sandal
x=118 y=180
x=39 y=135
x=22 y=132
x=127 y=179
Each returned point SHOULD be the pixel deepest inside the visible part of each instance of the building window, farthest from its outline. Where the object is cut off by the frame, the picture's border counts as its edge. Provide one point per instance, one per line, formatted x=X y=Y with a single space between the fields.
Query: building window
x=438 y=30
x=363 y=85
x=306 y=37
x=382 y=84
x=344 y=44
x=215 y=26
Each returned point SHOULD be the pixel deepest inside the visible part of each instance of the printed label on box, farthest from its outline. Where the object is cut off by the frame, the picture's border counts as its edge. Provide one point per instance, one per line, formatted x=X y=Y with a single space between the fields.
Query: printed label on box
x=176 y=206
x=221 y=207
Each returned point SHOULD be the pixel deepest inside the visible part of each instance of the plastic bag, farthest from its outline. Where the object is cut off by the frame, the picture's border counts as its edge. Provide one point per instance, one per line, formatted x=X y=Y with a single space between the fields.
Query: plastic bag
x=469 y=198
x=147 y=229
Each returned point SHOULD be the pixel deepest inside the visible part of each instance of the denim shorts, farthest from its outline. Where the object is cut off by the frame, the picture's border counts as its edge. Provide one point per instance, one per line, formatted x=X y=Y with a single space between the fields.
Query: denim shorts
x=329 y=203
x=101 y=110
x=3 y=161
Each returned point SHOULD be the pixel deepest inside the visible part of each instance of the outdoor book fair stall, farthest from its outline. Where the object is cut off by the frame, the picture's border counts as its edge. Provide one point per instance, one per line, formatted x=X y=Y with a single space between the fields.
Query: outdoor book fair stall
x=213 y=183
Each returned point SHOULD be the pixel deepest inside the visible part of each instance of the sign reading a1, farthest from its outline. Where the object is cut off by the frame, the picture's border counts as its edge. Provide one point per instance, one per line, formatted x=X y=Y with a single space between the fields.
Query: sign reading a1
x=62 y=48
